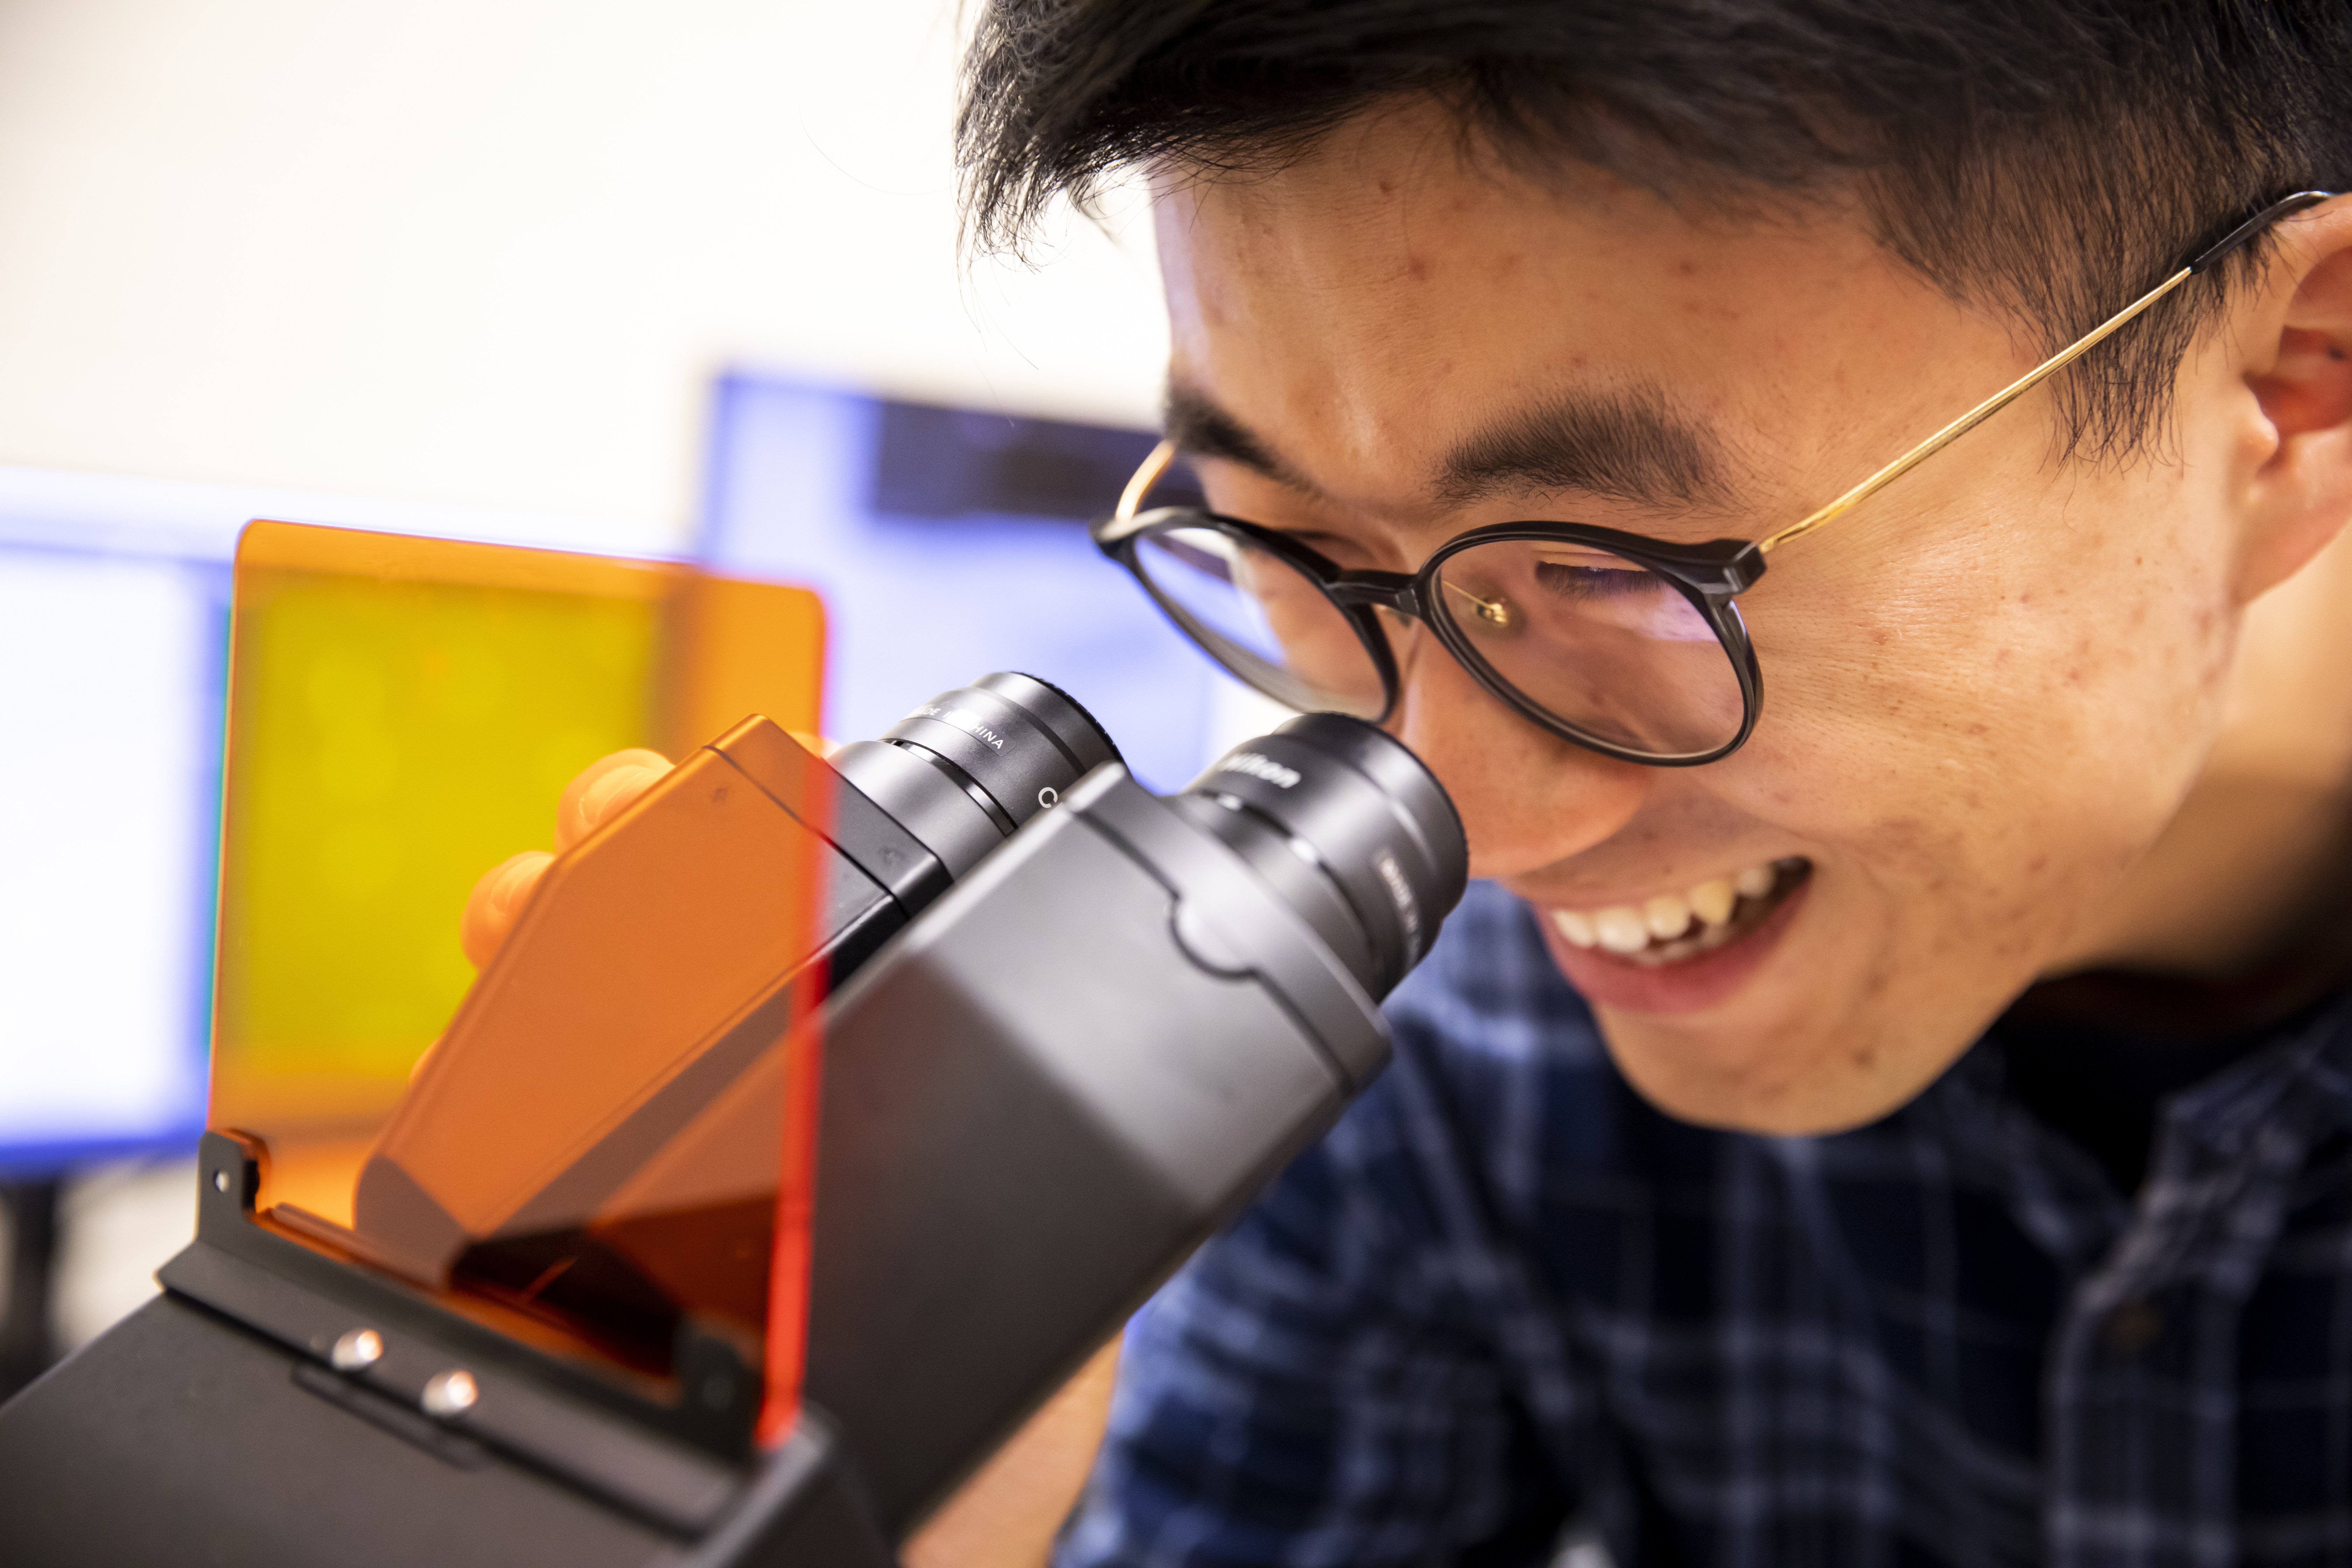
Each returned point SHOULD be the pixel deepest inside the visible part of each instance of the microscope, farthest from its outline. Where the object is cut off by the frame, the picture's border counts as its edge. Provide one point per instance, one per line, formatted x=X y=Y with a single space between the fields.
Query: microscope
x=819 y=1116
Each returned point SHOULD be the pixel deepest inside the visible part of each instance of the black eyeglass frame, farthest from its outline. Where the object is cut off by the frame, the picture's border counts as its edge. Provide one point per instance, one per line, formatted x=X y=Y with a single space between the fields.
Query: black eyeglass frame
x=1710 y=575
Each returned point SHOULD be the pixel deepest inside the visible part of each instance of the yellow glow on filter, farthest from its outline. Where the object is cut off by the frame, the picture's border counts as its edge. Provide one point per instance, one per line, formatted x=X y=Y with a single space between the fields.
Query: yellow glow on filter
x=397 y=745
x=403 y=715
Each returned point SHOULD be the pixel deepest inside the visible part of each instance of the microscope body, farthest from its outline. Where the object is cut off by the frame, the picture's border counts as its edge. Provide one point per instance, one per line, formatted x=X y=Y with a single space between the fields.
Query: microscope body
x=1038 y=1098
x=1037 y=1105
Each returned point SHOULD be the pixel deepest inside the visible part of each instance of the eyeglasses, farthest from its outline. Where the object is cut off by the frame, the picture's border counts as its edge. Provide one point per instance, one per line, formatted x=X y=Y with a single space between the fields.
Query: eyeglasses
x=1628 y=646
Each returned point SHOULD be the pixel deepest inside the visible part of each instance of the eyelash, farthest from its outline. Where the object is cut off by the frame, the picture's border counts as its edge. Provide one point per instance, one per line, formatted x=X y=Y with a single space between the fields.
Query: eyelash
x=1567 y=581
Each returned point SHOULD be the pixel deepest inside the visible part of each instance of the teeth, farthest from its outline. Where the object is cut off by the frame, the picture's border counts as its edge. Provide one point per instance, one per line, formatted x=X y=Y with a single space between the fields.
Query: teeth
x=1670 y=926
x=1575 y=927
x=1712 y=901
x=1667 y=916
x=1622 y=929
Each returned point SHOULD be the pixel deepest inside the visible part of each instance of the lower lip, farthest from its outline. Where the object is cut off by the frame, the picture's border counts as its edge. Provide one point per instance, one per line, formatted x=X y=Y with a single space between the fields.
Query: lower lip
x=1688 y=987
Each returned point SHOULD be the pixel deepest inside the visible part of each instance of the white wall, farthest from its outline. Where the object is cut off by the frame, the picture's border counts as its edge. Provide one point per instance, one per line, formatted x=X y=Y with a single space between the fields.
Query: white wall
x=486 y=253
x=466 y=265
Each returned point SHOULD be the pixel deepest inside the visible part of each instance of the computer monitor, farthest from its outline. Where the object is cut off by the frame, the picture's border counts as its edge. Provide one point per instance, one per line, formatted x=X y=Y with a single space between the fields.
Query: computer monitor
x=110 y=765
x=947 y=542
x=114 y=597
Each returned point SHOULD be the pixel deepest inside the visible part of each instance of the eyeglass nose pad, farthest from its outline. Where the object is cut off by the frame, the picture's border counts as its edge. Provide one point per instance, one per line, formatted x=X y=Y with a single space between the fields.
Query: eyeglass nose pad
x=1403 y=628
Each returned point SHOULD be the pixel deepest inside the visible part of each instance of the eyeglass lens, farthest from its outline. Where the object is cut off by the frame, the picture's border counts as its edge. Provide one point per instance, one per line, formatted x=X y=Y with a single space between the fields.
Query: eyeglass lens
x=1604 y=645
x=1263 y=620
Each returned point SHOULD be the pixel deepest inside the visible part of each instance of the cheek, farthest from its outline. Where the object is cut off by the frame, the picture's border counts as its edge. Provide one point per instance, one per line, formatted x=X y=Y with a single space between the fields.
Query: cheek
x=2002 y=724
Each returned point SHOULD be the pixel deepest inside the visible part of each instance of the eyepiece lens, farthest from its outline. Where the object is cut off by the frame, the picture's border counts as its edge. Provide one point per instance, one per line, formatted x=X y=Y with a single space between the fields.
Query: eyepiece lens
x=1019 y=740
x=1363 y=808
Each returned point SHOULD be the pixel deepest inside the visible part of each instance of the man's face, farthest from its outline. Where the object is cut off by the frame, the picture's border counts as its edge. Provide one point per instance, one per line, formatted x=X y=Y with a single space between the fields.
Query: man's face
x=1986 y=690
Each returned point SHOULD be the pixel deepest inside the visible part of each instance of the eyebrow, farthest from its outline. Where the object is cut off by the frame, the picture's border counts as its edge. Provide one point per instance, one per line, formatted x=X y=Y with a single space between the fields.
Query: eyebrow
x=1626 y=444
x=1201 y=425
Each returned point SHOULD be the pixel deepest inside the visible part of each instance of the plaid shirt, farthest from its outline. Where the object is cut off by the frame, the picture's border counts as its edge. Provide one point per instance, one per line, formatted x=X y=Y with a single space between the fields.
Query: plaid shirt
x=1504 y=1293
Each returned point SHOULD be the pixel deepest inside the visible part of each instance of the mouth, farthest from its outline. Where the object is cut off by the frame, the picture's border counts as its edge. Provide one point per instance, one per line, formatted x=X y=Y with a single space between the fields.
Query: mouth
x=1679 y=952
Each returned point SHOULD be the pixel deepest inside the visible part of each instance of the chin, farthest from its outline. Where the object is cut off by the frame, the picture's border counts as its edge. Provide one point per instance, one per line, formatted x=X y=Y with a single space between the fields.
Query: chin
x=1766 y=1093
x=1783 y=1032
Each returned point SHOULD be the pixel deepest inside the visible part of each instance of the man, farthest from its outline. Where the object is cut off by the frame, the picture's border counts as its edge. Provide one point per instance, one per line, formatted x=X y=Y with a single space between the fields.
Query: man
x=1774 y=1227
x=1737 y=1192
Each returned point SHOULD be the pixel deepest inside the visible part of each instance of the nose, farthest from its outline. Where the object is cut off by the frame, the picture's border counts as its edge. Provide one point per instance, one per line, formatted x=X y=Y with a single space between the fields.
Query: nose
x=1528 y=798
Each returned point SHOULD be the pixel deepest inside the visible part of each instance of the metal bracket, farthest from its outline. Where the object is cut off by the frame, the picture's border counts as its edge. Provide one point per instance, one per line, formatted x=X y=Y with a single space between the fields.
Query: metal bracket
x=670 y=1465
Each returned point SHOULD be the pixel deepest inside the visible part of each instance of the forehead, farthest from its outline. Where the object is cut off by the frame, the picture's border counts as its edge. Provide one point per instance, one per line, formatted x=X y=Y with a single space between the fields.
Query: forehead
x=1371 y=310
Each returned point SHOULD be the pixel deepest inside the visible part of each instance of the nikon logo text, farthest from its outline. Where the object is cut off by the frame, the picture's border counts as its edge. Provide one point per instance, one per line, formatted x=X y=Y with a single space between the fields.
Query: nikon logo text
x=1259 y=767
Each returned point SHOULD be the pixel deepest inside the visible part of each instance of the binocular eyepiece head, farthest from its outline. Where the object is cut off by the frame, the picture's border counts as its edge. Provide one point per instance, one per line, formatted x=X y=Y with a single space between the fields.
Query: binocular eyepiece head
x=1342 y=820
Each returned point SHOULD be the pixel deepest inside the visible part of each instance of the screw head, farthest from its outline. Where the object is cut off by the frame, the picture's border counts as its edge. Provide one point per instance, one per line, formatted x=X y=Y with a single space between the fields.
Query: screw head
x=450 y=1393
x=358 y=1348
x=220 y=1181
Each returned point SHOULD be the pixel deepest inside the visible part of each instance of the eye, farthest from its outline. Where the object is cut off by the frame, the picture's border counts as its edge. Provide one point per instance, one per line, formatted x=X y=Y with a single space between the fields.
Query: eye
x=1600 y=578
x=1210 y=555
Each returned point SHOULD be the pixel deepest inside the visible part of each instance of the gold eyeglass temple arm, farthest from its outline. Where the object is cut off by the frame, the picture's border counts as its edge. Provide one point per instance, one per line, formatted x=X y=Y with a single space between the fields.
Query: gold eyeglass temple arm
x=1144 y=479
x=1165 y=453
x=1975 y=416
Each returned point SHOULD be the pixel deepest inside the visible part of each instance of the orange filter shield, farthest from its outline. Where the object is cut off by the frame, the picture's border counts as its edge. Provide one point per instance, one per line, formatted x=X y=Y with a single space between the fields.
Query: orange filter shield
x=599 y=1144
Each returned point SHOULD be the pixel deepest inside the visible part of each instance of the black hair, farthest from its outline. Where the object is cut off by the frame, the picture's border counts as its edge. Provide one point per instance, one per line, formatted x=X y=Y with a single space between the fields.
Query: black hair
x=2046 y=158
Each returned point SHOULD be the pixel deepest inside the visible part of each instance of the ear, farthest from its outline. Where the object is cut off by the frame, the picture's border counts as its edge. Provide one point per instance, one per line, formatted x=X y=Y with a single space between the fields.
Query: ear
x=2299 y=369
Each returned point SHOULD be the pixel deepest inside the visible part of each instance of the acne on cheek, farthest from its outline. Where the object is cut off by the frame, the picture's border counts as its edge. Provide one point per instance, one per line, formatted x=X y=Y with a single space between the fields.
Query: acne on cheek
x=1995 y=845
x=2016 y=895
x=2085 y=669
x=2023 y=754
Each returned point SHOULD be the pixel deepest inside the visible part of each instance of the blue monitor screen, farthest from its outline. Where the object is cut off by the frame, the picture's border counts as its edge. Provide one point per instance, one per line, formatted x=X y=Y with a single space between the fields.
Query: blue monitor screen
x=110 y=758
x=948 y=542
